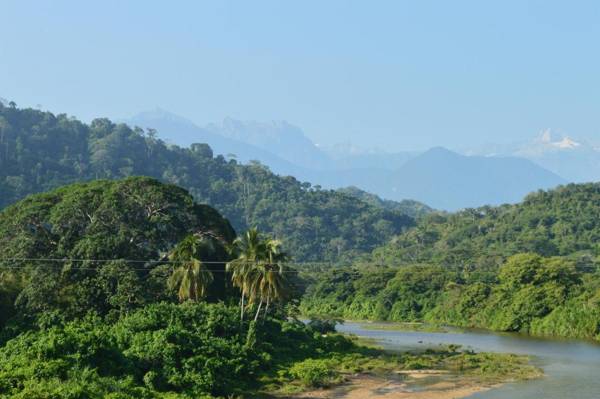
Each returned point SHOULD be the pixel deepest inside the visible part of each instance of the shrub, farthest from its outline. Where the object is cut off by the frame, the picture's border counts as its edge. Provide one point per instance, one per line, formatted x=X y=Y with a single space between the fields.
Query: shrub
x=189 y=349
x=315 y=372
x=324 y=326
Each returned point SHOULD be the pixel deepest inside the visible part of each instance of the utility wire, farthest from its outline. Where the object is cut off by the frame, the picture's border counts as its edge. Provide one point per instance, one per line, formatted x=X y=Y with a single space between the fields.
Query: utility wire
x=146 y=261
x=336 y=268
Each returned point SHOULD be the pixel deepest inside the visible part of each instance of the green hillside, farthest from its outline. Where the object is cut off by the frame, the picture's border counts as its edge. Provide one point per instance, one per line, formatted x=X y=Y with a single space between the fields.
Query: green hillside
x=532 y=267
x=557 y=222
x=40 y=151
x=414 y=209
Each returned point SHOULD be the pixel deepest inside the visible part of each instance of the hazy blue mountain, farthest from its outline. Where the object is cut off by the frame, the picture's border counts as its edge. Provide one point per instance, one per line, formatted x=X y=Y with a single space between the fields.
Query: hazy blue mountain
x=378 y=160
x=272 y=144
x=280 y=145
x=177 y=130
x=574 y=159
x=440 y=178
x=447 y=180
x=278 y=137
x=348 y=156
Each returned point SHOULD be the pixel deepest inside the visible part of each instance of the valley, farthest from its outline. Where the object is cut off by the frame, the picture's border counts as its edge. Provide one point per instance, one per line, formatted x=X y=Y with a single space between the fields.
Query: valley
x=115 y=244
x=299 y=199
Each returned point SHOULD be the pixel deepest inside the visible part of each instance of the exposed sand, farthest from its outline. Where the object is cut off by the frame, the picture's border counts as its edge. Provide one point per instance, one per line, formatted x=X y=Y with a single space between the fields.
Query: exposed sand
x=418 y=374
x=372 y=387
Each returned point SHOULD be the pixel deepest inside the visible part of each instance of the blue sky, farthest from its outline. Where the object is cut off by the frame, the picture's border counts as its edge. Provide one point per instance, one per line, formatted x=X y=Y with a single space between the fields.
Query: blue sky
x=391 y=74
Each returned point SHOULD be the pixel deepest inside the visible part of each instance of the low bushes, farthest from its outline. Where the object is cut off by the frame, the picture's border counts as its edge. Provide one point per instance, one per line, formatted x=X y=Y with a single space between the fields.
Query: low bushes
x=315 y=372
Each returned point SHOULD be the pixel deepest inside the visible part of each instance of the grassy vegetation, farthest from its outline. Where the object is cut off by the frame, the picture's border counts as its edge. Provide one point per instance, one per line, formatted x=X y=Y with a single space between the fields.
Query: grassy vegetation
x=336 y=367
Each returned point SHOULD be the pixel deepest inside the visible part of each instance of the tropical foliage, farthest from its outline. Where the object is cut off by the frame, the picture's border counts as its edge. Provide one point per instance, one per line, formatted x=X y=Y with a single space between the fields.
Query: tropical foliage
x=40 y=151
x=528 y=293
x=164 y=350
x=91 y=279
x=532 y=267
x=258 y=271
x=557 y=222
x=104 y=245
x=408 y=207
x=130 y=289
x=191 y=276
x=91 y=276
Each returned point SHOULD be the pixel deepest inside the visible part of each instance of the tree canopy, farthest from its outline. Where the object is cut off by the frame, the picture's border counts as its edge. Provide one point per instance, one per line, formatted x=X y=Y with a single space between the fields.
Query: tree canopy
x=40 y=151
x=531 y=267
x=528 y=293
x=557 y=222
x=103 y=245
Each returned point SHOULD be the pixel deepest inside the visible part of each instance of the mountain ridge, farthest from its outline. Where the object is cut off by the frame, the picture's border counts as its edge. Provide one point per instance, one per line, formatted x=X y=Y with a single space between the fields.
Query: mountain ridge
x=389 y=176
x=443 y=179
x=575 y=159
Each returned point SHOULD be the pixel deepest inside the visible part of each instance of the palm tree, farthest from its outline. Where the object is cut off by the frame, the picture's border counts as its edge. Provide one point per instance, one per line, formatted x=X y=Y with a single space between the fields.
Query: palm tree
x=267 y=279
x=248 y=250
x=275 y=280
x=258 y=271
x=190 y=278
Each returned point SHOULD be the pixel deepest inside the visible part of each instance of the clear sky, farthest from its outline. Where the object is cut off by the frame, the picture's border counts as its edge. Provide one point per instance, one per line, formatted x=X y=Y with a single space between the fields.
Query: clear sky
x=391 y=74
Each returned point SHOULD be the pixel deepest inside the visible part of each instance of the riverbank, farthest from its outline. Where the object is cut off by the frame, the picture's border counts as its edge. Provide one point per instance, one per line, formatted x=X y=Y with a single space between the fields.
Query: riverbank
x=404 y=326
x=570 y=366
x=372 y=387
x=441 y=373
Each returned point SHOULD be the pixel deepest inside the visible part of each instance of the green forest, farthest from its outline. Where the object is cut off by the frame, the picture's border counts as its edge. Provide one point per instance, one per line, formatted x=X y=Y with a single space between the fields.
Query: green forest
x=533 y=267
x=129 y=289
x=559 y=222
x=135 y=269
x=40 y=151
x=409 y=262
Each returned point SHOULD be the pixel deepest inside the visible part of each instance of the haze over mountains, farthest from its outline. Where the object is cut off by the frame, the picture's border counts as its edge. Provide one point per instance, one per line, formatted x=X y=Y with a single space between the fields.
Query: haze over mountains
x=447 y=180
x=441 y=178
x=574 y=159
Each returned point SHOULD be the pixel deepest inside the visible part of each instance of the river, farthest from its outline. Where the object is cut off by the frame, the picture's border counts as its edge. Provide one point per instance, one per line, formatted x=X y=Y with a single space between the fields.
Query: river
x=571 y=368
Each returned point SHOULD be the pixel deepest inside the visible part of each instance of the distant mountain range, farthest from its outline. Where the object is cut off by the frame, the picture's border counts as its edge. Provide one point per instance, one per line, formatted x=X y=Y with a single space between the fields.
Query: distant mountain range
x=446 y=180
x=576 y=160
x=438 y=177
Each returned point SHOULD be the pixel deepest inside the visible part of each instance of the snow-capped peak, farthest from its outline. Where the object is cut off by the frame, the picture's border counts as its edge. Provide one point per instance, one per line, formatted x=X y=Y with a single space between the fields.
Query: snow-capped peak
x=548 y=139
x=566 y=143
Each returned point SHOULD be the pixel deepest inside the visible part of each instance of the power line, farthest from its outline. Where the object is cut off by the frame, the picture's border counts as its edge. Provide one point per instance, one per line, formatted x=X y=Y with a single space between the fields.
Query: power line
x=307 y=272
x=75 y=260
x=333 y=267
x=336 y=268
x=311 y=272
x=148 y=261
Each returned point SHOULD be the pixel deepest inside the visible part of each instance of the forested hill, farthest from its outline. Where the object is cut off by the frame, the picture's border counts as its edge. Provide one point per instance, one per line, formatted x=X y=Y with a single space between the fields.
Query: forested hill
x=40 y=151
x=412 y=208
x=532 y=267
x=557 y=222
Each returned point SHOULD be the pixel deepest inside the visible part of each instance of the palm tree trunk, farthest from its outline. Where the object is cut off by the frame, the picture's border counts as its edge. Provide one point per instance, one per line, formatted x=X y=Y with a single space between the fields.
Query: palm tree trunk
x=242 y=307
x=267 y=307
x=258 y=311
